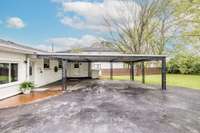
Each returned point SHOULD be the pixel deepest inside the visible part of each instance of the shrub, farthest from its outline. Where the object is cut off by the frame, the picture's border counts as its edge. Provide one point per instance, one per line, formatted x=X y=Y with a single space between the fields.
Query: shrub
x=26 y=86
x=184 y=64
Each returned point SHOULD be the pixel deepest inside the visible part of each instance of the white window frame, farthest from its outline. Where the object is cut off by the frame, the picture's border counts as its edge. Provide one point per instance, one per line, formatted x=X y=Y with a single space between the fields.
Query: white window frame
x=9 y=74
x=76 y=67
x=45 y=68
x=59 y=61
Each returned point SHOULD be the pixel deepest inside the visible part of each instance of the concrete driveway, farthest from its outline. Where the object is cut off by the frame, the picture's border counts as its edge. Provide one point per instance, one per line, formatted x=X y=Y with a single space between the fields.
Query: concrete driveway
x=108 y=107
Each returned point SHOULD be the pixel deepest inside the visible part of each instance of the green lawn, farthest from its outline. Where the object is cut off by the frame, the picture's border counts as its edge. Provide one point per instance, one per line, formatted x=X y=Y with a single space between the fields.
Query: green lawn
x=189 y=81
x=3 y=78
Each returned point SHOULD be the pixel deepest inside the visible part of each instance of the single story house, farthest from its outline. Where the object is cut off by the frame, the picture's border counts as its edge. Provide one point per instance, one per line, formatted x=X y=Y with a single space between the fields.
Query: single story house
x=20 y=63
x=101 y=48
x=104 y=48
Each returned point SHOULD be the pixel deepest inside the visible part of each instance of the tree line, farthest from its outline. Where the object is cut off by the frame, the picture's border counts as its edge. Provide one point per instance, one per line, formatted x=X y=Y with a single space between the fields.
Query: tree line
x=169 y=27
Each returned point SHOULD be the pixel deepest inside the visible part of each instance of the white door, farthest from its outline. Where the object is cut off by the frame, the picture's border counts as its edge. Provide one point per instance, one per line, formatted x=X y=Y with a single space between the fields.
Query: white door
x=75 y=67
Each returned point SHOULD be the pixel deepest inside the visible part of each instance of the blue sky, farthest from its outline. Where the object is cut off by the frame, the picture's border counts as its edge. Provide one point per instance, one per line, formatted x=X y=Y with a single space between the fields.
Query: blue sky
x=39 y=17
x=41 y=22
x=65 y=23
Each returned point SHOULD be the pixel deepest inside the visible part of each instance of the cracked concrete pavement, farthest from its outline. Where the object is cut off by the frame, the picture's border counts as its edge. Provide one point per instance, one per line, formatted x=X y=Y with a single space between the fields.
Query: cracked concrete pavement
x=99 y=106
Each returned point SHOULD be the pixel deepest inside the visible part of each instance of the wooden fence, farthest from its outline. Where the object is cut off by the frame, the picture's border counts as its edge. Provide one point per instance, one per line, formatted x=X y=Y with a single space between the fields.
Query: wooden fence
x=126 y=71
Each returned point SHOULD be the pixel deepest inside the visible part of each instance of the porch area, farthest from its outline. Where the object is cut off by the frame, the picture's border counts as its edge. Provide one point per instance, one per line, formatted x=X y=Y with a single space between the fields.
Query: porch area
x=50 y=90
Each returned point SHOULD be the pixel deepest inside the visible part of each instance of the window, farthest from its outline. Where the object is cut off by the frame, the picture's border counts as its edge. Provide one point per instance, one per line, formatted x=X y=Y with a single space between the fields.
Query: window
x=46 y=63
x=14 y=72
x=30 y=70
x=8 y=72
x=60 y=64
x=76 y=65
x=4 y=73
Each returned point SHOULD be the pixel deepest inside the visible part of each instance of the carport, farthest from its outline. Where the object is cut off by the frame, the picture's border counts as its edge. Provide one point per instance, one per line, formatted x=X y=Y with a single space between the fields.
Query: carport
x=111 y=58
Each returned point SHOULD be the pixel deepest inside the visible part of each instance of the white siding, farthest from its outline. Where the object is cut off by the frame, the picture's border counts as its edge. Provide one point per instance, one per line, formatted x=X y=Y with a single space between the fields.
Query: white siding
x=41 y=76
x=45 y=76
x=105 y=65
x=82 y=71
x=10 y=89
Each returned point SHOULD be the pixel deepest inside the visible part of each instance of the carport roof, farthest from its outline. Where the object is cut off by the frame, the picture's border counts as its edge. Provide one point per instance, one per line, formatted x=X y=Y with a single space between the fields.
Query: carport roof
x=101 y=57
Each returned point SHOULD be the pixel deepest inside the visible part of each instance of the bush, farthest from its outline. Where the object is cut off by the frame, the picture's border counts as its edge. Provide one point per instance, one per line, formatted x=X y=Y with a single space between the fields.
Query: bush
x=184 y=64
x=26 y=86
x=173 y=67
x=196 y=67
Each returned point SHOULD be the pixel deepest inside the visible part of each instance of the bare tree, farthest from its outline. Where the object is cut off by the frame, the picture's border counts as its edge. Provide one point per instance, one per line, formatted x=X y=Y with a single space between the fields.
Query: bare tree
x=143 y=27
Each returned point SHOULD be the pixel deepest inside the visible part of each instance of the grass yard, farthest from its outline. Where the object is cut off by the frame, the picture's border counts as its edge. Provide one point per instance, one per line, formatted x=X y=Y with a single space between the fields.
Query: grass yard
x=189 y=81
x=3 y=78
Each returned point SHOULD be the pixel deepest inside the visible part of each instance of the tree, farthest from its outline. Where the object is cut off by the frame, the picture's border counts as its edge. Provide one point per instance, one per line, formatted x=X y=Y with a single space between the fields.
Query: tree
x=144 y=26
x=189 y=12
x=184 y=63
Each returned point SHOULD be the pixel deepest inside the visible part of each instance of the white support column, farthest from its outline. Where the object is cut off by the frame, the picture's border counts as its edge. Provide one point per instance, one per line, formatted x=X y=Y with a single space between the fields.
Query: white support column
x=9 y=72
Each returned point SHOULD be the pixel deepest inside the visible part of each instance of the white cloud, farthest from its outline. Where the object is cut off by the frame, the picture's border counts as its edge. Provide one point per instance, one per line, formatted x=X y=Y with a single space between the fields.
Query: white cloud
x=45 y=47
x=66 y=43
x=91 y=15
x=15 y=22
x=77 y=23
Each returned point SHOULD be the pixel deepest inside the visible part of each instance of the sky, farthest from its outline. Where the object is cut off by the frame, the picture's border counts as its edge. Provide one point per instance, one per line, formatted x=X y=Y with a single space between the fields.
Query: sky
x=64 y=23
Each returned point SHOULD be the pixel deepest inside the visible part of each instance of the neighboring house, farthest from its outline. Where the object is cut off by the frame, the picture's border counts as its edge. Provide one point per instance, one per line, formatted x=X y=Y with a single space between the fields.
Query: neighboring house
x=99 y=48
x=19 y=63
